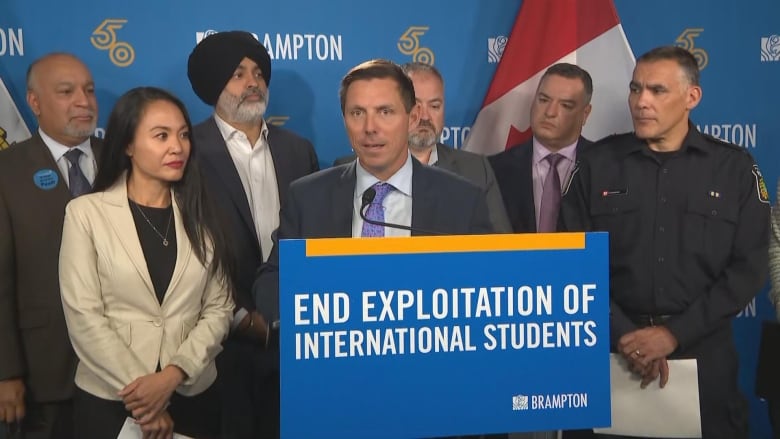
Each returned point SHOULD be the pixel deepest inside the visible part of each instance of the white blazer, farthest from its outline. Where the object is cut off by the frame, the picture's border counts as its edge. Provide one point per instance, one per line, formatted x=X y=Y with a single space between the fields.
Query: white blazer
x=118 y=328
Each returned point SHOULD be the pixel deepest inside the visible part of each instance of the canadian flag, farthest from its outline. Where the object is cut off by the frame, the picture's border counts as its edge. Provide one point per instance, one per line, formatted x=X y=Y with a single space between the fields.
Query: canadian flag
x=583 y=32
x=12 y=126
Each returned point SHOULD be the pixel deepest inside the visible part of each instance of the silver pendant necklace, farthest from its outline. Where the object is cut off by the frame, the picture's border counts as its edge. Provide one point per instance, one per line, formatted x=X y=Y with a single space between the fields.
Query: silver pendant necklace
x=167 y=227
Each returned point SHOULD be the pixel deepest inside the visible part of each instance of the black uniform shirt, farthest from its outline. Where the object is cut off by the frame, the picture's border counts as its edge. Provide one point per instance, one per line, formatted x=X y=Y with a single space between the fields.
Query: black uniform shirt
x=688 y=231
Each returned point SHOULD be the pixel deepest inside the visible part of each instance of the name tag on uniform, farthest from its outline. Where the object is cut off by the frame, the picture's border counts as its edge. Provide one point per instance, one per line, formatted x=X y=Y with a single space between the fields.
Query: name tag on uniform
x=613 y=192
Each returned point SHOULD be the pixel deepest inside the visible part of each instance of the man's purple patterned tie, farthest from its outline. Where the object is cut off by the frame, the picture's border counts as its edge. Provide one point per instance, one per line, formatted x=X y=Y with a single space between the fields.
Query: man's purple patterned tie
x=376 y=211
x=551 y=196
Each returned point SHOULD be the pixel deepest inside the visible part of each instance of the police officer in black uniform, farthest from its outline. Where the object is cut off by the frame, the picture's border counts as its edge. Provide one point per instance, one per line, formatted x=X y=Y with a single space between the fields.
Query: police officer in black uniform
x=688 y=223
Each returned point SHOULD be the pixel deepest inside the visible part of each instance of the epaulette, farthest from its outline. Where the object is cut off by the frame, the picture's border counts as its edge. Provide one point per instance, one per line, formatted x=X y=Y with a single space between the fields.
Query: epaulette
x=611 y=138
x=608 y=140
x=722 y=142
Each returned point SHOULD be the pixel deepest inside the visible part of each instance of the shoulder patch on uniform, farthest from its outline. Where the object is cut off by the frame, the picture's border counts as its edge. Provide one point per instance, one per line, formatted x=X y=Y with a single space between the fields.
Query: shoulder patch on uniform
x=571 y=178
x=762 y=192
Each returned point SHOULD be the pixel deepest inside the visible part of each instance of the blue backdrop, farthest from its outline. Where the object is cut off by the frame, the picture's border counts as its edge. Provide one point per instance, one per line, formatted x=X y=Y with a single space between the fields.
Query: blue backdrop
x=313 y=44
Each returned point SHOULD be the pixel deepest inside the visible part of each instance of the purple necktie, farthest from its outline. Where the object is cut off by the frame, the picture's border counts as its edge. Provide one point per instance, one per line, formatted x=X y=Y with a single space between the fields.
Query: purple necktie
x=376 y=212
x=551 y=196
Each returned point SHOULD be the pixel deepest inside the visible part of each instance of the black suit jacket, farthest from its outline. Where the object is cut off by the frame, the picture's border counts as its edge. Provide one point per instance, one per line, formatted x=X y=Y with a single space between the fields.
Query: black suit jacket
x=514 y=174
x=474 y=168
x=293 y=158
x=34 y=341
x=321 y=205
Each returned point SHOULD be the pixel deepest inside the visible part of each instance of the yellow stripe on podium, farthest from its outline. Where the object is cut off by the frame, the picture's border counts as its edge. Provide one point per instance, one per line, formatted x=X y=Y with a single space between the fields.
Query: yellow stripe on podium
x=444 y=244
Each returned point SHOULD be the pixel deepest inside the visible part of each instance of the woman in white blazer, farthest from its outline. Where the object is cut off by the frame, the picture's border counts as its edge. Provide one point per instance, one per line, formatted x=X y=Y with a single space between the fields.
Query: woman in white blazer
x=144 y=278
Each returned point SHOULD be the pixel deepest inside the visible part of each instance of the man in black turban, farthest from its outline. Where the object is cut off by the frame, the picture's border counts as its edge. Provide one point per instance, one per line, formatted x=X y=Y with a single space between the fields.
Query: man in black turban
x=248 y=164
x=216 y=58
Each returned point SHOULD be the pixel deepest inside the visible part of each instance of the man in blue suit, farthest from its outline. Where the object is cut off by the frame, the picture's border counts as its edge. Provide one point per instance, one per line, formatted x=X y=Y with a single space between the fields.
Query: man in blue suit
x=425 y=146
x=378 y=105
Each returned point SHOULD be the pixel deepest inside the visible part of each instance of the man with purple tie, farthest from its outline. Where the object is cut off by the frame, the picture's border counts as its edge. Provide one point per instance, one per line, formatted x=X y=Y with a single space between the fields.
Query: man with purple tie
x=530 y=175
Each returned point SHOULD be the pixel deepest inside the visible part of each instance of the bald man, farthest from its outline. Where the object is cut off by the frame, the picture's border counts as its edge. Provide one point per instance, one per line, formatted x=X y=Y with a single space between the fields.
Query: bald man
x=38 y=177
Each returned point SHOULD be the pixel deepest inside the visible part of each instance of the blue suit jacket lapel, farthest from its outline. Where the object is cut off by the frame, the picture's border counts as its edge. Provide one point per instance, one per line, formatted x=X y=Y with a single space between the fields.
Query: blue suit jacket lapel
x=424 y=200
x=342 y=205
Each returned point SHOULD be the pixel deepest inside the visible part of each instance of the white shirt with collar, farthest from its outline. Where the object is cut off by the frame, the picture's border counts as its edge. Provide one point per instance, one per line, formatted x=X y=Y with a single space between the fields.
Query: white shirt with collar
x=397 y=204
x=87 y=161
x=434 y=157
x=255 y=167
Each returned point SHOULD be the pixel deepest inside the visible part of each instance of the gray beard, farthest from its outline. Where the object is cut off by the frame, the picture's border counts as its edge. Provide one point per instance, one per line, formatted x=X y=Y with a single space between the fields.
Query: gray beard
x=73 y=131
x=239 y=112
x=422 y=141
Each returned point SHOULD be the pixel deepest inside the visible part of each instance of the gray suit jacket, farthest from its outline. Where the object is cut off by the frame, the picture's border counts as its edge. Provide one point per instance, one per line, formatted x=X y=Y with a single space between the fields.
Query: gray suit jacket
x=474 y=168
x=321 y=205
x=34 y=342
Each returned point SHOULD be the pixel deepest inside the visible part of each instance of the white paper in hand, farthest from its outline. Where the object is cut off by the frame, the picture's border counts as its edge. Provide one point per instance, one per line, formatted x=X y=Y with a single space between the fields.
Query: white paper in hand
x=131 y=430
x=671 y=412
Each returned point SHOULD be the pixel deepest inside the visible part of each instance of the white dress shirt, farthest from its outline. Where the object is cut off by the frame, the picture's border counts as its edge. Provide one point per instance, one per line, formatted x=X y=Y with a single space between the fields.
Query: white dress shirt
x=255 y=167
x=87 y=161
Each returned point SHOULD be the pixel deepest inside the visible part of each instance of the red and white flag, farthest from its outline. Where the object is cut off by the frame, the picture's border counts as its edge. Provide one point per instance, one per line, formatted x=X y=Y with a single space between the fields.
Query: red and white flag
x=12 y=126
x=583 y=32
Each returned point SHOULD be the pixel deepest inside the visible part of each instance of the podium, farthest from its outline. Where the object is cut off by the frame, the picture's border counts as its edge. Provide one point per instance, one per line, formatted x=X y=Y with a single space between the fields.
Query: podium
x=447 y=335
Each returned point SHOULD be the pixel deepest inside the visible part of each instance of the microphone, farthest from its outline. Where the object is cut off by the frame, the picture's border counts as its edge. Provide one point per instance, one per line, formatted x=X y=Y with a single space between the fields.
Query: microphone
x=368 y=197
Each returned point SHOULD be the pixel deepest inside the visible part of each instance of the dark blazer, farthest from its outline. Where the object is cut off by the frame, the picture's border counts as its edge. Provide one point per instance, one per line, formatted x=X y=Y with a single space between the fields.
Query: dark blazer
x=34 y=340
x=293 y=158
x=321 y=206
x=474 y=168
x=514 y=174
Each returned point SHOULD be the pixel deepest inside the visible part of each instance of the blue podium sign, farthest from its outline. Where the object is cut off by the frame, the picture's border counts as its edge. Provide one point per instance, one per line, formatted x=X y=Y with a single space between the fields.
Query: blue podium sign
x=447 y=335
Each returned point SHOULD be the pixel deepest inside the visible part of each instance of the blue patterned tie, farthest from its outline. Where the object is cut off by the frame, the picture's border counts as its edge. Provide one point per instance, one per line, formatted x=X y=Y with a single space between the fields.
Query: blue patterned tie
x=77 y=182
x=376 y=211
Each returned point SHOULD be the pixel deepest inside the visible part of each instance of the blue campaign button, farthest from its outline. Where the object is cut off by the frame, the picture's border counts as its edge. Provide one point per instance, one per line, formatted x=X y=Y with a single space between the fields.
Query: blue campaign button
x=46 y=179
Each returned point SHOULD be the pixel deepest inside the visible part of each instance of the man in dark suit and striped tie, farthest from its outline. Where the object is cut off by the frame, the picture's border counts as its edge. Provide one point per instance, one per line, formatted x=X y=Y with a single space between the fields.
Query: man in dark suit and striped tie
x=37 y=179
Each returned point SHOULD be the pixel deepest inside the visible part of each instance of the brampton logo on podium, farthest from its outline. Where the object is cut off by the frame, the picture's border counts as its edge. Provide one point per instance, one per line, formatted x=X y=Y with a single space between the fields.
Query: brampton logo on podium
x=520 y=402
x=550 y=401
x=770 y=48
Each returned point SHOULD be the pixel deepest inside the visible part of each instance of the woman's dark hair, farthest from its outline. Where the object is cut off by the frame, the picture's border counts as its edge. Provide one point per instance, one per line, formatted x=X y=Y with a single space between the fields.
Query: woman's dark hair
x=201 y=218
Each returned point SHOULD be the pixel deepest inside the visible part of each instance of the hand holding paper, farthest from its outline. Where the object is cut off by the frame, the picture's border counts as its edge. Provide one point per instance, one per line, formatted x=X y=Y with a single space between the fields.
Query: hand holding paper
x=647 y=344
x=668 y=412
x=148 y=395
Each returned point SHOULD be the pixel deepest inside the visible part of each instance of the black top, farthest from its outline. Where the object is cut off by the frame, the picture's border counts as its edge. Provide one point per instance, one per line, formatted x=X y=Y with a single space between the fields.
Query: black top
x=688 y=235
x=160 y=259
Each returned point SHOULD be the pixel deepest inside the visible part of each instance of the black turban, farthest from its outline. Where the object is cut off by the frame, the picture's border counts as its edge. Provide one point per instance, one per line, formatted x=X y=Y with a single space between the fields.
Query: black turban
x=214 y=60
